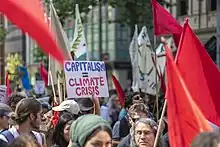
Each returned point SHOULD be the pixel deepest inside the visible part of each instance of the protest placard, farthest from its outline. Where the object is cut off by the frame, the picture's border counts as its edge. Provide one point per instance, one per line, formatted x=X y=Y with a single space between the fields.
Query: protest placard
x=39 y=87
x=86 y=78
x=3 y=93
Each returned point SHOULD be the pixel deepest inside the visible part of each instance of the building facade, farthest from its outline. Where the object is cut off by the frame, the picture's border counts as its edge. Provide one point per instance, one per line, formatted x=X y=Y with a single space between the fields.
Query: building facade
x=115 y=41
x=2 y=51
x=202 y=18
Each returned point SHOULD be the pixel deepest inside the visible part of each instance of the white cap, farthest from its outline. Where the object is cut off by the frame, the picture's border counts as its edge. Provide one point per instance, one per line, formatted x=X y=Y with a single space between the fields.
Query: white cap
x=70 y=106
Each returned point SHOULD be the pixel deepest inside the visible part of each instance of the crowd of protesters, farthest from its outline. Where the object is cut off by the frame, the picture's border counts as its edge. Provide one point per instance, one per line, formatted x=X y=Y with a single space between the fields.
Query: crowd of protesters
x=86 y=122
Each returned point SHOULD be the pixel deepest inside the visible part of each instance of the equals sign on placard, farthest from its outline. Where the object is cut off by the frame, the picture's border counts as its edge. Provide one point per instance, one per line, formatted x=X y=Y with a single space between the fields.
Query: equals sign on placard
x=85 y=74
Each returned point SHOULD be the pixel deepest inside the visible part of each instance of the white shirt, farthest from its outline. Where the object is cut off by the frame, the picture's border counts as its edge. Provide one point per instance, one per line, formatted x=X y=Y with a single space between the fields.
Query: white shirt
x=15 y=133
x=104 y=112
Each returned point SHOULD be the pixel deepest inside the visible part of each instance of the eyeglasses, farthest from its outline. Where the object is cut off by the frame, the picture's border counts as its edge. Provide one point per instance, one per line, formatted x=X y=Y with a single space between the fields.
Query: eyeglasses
x=137 y=97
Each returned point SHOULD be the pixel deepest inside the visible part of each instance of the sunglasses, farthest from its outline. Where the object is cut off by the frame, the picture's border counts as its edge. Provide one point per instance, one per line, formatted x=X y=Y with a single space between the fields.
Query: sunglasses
x=137 y=98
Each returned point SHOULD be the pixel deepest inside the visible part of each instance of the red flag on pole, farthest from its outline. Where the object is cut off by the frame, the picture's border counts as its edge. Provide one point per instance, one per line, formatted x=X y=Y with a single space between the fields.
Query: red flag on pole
x=119 y=90
x=44 y=74
x=184 y=117
x=164 y=22
x=200 y=74
x=7 y=83
x=28 y=15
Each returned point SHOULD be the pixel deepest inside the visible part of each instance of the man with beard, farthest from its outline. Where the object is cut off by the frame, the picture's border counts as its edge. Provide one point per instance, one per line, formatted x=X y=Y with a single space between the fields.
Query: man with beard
x=27 y=115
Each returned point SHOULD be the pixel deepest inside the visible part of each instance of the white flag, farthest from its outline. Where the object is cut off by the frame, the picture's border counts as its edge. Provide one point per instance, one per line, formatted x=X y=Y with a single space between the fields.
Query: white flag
x=79 y=41
x=133 y=50
x=161 y=59
x=61 y=38
x=147 y=71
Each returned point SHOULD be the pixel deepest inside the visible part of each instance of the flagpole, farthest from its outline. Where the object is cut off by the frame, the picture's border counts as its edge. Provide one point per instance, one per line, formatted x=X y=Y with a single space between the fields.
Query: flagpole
x=54 y=93
x=160 y=123
x=64 y=90
x=157 y=95
x=59 y=90
x=50 y=74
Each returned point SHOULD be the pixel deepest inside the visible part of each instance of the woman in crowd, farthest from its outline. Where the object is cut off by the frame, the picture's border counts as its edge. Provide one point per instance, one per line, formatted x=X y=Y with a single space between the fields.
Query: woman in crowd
x=61 y=133
x=143 y=134
x=114 y=109
x=24 y=141
x=90 y=131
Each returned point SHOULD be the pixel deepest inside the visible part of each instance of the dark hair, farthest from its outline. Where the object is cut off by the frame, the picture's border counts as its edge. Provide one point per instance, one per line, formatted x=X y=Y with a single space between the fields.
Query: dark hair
x=58 y=136
x=15 y=98
x=24 y=108
x=98 y=129
x=134 y=94
x=46 y=106
x=206 y=140
x=24 y=141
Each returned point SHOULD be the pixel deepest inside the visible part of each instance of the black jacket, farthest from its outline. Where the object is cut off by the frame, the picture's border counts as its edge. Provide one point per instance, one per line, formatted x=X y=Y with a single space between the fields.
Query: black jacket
x=125 y=142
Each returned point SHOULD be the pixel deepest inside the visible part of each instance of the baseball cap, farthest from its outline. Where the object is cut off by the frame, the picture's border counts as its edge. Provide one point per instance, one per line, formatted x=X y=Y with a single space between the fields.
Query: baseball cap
x=85 y=104
x=70 y=106
x=5 y=110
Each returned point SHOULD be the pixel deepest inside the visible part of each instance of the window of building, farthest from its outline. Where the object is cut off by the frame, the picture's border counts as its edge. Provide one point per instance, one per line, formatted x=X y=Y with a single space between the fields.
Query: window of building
x=183 y=7
x=70 y=34
x=110 y=13
x=213 y=5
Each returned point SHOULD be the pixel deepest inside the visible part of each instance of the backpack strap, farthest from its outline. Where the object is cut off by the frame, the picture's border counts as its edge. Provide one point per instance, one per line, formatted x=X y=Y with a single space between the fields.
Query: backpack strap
x=33 y=136
x=8 y=135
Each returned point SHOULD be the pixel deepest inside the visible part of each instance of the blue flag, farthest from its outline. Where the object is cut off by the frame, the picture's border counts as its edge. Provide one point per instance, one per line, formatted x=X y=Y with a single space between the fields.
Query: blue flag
x=24 y=78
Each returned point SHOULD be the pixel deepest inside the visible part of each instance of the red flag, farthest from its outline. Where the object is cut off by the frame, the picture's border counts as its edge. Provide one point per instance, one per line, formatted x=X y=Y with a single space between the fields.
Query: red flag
x=119 y=90
x=7 y=83
x=200 y=74
x=29 y=16
x=44 y=74
x=164 y=23
x=184 y=117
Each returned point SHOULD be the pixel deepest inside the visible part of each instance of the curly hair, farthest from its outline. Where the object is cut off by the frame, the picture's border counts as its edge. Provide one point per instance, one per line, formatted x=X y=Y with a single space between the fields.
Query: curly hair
x=140 y=107
x=14 y=98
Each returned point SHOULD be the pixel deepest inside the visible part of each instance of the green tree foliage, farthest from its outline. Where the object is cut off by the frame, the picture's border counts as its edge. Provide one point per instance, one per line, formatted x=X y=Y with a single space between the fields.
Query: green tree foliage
x=131 y=11
x=39 y=56
x=2 y=34
x=66 y=8
x=135 y=11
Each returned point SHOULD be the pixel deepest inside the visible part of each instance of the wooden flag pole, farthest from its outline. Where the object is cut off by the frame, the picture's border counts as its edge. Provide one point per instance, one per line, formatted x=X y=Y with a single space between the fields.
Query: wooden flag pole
x=160 y=123
x=64 y=90
x=59 y=90
x=54 y=93
x=157 y=88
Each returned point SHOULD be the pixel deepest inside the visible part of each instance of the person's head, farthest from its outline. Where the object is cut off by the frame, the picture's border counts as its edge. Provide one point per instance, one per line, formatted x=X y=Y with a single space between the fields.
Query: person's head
x=45 y=108
x=5 y=111
x=86 y=106
x=29 y=112
x=90 y=130
x=61 y=131
x=137 y=111
x=207 y=139
x=144 y=132
x=128 y=102
x=14 y=99
x=70 y=106
x=24 y=141
x=136 y=98
x=113 y=102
